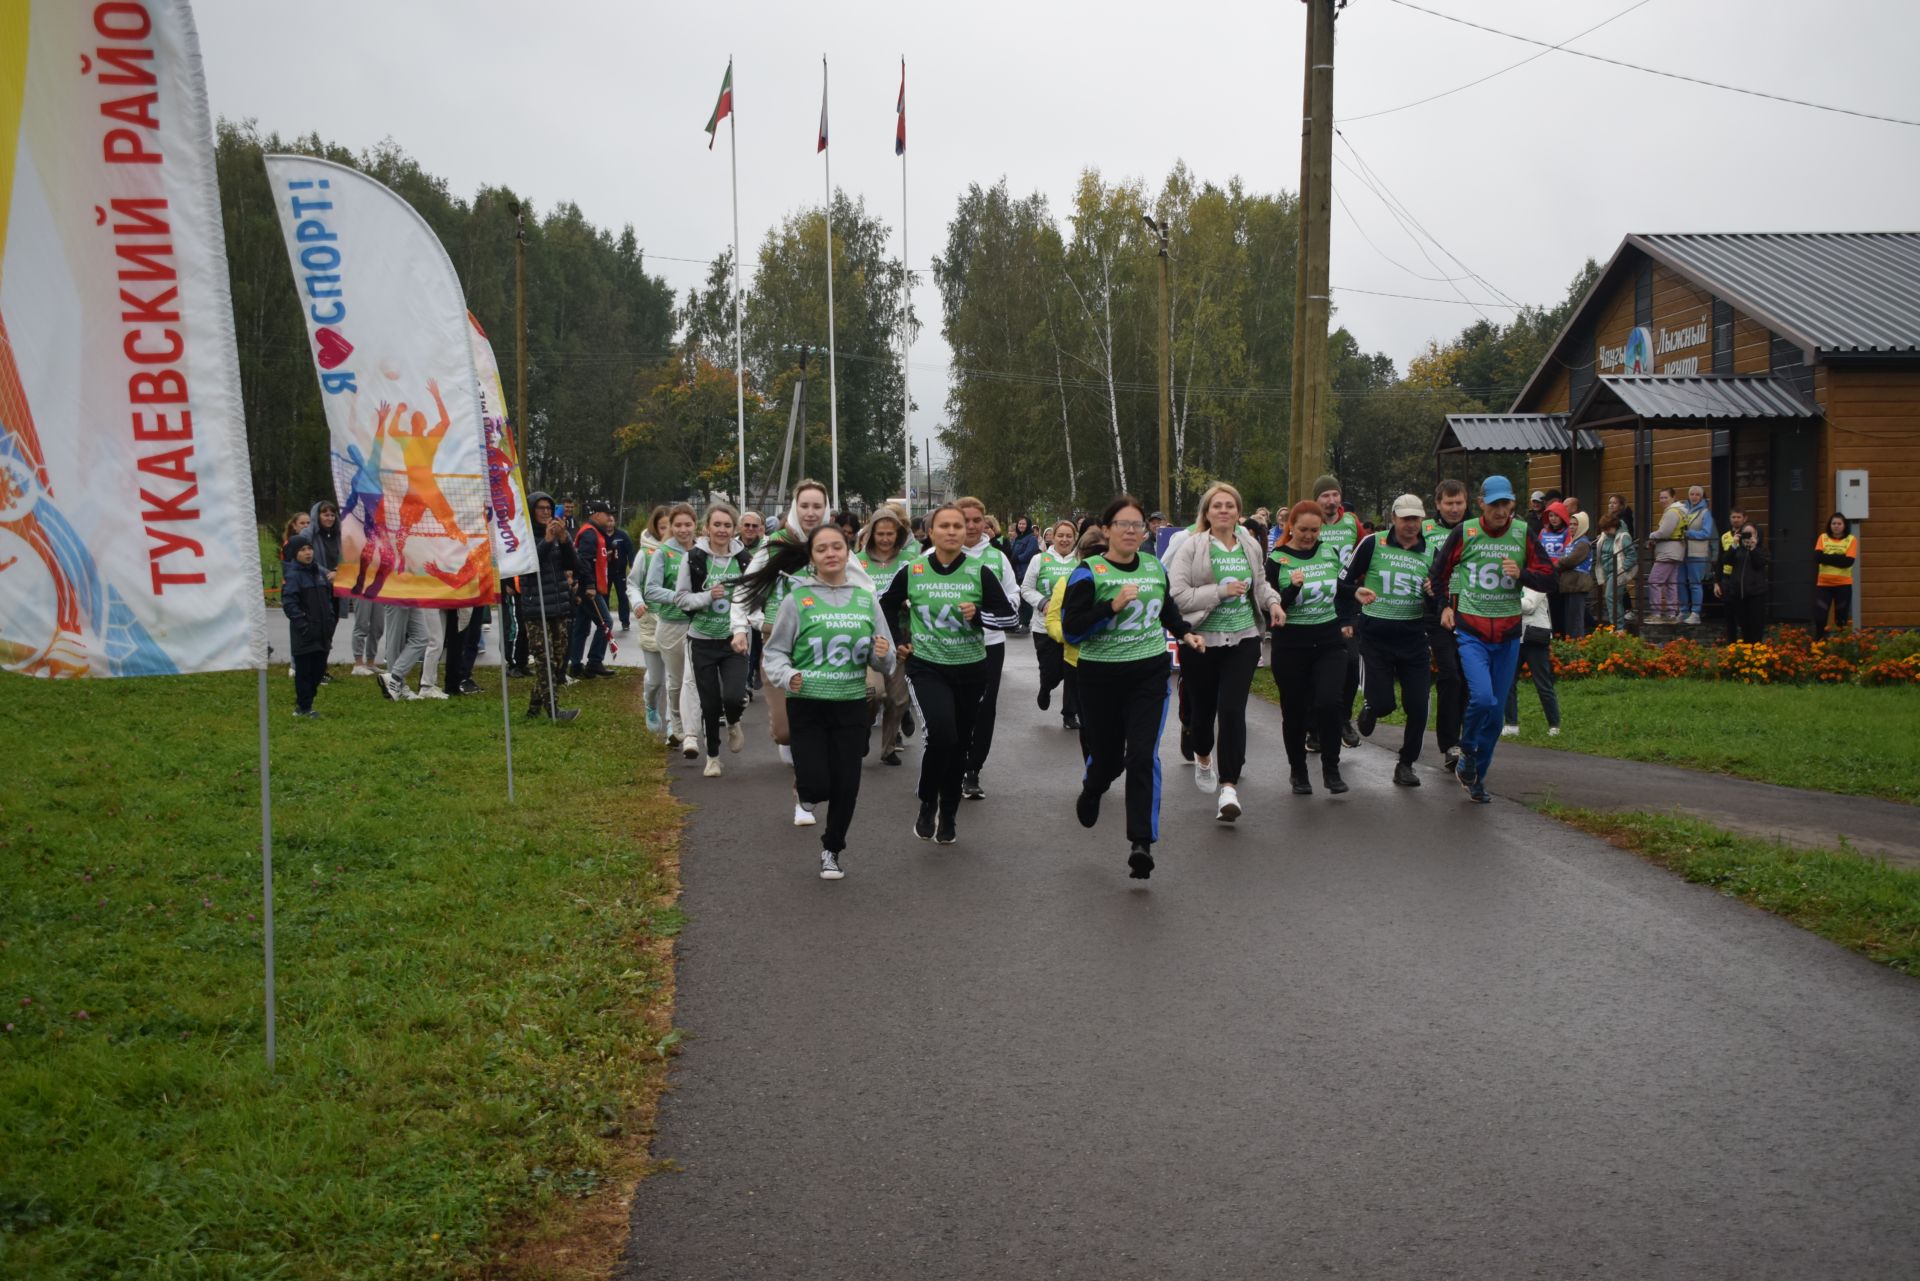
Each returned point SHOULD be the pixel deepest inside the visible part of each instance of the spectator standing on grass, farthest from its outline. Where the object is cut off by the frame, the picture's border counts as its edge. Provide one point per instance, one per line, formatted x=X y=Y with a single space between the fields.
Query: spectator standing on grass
x=1744 y=585
x=1575 y=568
x=1554 y=533
x=1835 y=552
x=1616 y=561
x=619 y=562
x=1536 y=655
x=546 y=604
x=1701 y=553
x=592 y=624
x=296 y=525
x=324 y=529
x=1669 y=561
x=306 y=598
x=1729 y=538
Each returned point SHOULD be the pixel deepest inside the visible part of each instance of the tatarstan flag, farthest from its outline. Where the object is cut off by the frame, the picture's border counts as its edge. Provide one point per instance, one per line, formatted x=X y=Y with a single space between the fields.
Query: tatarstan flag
x=721 y=109
x=900 y=128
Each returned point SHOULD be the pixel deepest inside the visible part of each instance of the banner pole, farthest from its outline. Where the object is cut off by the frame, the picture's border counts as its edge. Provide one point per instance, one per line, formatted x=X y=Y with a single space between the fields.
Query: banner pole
x=506 y=704
x=833 y=384
x=739 y=360
x=266 y=852
x=553 y=700
x=906 y=326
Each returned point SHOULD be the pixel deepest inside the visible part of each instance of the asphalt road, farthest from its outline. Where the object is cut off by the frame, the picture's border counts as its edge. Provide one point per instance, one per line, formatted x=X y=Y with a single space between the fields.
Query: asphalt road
x=1392 y=1034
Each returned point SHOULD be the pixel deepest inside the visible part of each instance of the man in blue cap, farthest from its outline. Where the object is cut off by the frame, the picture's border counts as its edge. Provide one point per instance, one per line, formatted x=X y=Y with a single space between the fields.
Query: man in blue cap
x=1478 y=574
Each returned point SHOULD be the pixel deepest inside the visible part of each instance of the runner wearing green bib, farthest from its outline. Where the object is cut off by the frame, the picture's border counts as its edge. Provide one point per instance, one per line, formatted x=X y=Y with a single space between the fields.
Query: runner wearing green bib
x=937 y=607
x=1047 y=569
x=884 y=547
x=1340 y=532
x=1389 y=577
x=1310 y=650
x=704 y=587
x=1118 y=611
x=664 y=572
x=827 y=634
x=1479 y=573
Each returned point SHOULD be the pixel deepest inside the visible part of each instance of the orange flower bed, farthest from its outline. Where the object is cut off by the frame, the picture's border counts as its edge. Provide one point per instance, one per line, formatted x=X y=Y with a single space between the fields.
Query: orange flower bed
x=1788 y=656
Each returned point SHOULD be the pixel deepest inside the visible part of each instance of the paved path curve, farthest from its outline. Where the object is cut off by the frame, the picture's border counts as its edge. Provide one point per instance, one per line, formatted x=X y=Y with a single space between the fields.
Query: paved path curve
x=1387 y=1035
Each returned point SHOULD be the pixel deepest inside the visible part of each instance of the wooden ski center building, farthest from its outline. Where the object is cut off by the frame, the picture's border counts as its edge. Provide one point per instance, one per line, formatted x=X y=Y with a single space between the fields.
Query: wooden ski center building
x=1780 y=371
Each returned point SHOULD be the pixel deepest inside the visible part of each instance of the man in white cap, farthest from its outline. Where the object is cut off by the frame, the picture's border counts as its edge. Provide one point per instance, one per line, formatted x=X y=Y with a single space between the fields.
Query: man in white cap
x=1478 y=574
x=1389 y=576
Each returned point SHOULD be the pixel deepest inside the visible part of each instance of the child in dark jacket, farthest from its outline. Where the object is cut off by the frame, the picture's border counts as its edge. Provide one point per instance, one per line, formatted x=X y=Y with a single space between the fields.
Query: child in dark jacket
x=306 y=597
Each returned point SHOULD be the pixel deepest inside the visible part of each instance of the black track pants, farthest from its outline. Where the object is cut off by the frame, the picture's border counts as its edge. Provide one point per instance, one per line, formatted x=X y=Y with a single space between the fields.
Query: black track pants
x=982 y=742
x=720 y=675
x=1217 y=682
x=950 y=700
x=1396 y=656
x=1449 y=689
x=829 y=741
x=1054 y=671
x=1123 y=708
x=1311 y=680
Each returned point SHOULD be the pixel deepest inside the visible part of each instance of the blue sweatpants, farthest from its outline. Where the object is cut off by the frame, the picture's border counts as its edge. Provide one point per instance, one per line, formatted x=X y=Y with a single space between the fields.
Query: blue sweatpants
x=1488 y=668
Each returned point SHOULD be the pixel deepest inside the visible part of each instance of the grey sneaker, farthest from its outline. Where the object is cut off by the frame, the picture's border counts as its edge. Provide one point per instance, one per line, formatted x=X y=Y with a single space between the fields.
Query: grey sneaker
x=830 y=866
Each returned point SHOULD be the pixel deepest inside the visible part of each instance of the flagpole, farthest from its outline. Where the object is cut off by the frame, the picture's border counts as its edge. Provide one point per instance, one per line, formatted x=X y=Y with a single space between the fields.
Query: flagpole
x=833 y=386
x=906 y=312
x=266 y=852
x=506 y=660
x=739 y=361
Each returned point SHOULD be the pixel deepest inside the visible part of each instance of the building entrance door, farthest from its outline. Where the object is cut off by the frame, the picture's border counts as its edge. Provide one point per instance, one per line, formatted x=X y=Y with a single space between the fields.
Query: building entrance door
x=1794 y=513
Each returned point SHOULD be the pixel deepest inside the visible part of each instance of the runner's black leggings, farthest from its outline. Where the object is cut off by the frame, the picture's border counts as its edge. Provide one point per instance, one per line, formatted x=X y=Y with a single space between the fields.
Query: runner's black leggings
x=1396 y=655
x=1055 y=672
x=989 y=706
x=1217 y=682
x=829 y=741
x=1123 y=709
x=1311 y=678
x=950 y=700
x=720 y=675
x=1449 y=688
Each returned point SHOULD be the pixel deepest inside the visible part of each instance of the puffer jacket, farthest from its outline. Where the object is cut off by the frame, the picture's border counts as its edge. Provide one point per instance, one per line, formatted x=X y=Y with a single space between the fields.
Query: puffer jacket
x=549 y=593
x=306 y=598
x=326 y=542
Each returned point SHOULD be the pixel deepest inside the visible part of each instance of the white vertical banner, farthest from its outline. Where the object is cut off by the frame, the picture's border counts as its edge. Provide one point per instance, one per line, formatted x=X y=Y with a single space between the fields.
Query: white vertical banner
x=515 y=550
x=393 y=350
x=128 y=545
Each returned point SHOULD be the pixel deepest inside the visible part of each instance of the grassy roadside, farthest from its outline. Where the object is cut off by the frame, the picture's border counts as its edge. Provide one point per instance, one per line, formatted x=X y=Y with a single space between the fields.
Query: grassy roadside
x=474 y=997
x=1860 y=903
x=1850 y=739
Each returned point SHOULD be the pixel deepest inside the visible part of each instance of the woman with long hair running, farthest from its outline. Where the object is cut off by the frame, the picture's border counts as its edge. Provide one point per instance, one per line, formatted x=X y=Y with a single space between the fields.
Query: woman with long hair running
x=883 y=547
x=654 y=690
x=1310 y=650
x=671 y=619
x=1045 y=568
x=1214 y=574
x=1118 y=611
x=827 y=634
x=704 y=589
x=938 y=608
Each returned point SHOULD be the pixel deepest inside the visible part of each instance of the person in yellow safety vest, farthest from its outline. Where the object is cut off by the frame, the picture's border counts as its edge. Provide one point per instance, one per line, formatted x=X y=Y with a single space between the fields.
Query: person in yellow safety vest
x=1730 y=539
x=1092 y=543
x=1835 y=553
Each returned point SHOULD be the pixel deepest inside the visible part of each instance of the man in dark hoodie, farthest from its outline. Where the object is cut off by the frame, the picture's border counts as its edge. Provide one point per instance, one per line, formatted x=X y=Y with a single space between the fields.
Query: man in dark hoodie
x=619 y=565
x=306 y=597
x=593 y=574
x=546 y=608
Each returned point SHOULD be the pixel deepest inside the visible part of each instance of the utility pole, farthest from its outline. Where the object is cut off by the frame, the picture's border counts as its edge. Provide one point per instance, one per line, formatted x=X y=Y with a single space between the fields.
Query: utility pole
x=520 y=322
x=1307 y=452
x=1159 y=232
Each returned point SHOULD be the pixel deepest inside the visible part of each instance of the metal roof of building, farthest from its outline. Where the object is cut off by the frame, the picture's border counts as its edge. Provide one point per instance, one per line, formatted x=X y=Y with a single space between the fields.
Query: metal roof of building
x=1657 y=396
x=1510 y=433
x=1835 y=292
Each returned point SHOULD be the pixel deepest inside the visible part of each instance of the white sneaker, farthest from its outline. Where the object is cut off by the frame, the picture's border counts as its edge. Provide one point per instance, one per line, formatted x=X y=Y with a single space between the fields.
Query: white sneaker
x=1553 y=731
x=713 y=769
x=1206 y=777
x=786 y=754
x=690 y=747
x=361 y=669
x=736 y=736
x=1693 y=619
x=802 y=816
x=1229 y=804
x=432 y=691
x=401 y=694
x=830 y=867
x=1509 y=731
x=290 y=670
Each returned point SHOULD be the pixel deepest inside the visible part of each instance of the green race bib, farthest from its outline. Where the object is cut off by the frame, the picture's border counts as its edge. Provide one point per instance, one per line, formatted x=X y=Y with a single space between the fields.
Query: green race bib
x=1320 y=589
x=715 y=622
x=671 y=555
x=1396 y=574
x=832 y=643
x=940 y=634
x=1135 y=632
x=1053 y=568
x=1341 y=536
x=1483 y=589
x=1229 y=566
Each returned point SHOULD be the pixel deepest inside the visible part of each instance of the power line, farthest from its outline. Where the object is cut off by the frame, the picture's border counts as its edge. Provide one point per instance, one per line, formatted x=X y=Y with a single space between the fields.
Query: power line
x=1420 y=102
x=1655 y=71
x=1381 y=293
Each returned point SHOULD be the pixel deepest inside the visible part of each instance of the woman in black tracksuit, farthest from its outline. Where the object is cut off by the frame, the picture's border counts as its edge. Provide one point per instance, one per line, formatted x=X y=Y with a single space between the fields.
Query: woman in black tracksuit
x=1118 y=610
x=938 y=608
x=1310 y=649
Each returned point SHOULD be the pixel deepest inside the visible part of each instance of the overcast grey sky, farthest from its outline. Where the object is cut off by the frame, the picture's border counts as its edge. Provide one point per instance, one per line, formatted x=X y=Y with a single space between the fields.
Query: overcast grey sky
x=1523 y=178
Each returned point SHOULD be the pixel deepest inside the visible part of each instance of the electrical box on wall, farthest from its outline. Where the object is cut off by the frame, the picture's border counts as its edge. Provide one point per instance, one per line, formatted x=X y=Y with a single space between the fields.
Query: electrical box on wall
x=1850 y=493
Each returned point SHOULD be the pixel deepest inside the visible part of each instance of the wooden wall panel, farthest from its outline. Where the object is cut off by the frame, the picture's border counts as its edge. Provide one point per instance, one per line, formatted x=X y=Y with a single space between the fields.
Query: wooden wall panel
x=1873 y=417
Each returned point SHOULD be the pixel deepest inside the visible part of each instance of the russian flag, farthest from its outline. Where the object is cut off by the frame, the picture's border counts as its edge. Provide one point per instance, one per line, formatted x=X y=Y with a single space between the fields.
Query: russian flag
x=900 y=128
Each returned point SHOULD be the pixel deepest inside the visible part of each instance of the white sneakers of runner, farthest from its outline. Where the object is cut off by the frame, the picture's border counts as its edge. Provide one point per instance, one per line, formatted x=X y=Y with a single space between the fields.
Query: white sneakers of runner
x=432 y=691
x=690 y=747
x=802 y=816
x=1206 y=778
x=736 y=736
x=713 y=769
x=1229 y=804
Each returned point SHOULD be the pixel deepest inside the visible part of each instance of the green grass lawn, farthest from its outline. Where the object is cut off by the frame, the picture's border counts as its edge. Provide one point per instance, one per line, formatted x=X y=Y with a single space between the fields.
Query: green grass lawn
x=1852 y=739
x=1861 y=903
x=472 y=993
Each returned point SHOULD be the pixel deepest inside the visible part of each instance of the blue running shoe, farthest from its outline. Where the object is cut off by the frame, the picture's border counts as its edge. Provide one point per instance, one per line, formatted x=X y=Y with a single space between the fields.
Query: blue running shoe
x=1465 y=772
x=1479 y=793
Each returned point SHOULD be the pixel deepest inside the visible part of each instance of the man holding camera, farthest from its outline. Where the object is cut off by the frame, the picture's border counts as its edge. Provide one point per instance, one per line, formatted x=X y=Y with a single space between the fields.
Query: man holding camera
x=1742 y=584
